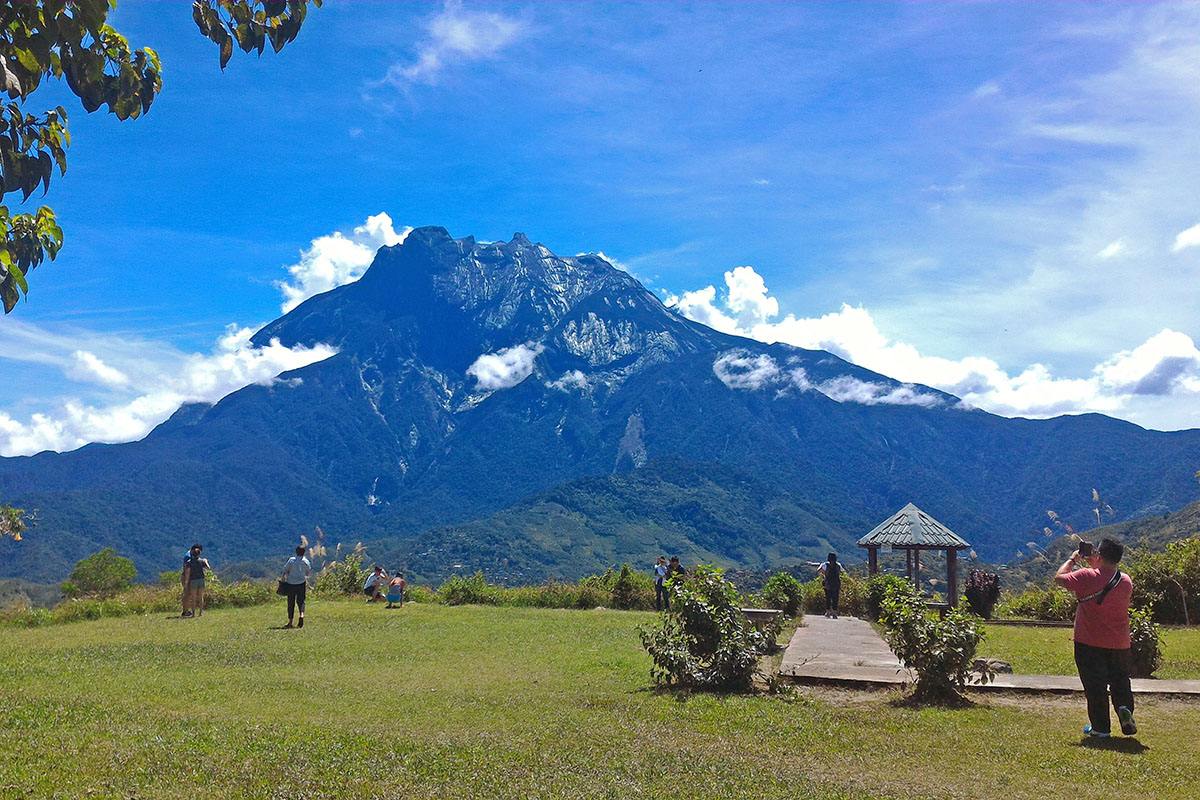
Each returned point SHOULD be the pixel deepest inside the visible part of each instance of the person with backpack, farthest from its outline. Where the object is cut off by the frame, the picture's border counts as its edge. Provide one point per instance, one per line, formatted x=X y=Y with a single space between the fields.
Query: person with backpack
x=1102 y=646
x=295 y=583
x=831 y=578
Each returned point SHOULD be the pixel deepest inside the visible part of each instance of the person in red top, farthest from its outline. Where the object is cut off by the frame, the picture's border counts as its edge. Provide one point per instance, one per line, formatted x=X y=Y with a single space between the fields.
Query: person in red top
x=1102 y=634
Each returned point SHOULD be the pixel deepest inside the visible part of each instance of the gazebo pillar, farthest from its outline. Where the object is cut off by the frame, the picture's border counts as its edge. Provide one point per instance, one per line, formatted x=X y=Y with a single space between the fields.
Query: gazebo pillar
x=917 y=568
x=908 y=564
x=872 y=560
x=952 y=576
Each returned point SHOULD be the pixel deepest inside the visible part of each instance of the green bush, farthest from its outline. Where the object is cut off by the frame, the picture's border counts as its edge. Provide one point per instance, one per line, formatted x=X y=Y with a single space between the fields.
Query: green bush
x=1053 y=604
x=626 y=589
x=1168 y=582
x=875 y=589
x=101 y=574
x=419 y=594
x=704 y=642
x=1145 y=642
x=785 y=592
x=939 y=648
x=343 y=578
x=460 y=591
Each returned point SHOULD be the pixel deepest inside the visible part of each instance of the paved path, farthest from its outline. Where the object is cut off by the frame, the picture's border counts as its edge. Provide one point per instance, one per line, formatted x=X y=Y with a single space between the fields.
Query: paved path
x=849 y=651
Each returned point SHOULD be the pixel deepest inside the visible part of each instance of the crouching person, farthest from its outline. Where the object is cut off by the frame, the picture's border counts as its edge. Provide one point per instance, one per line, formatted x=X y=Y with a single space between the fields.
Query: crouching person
x=1101 y=633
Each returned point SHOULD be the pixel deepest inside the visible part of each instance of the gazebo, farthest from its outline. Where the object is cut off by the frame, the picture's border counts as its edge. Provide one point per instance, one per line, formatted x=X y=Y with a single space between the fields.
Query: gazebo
x=912 y=530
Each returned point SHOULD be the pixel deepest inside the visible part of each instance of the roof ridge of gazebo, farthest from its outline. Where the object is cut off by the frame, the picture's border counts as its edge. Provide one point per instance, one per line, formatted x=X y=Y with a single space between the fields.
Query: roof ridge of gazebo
x=911 y=527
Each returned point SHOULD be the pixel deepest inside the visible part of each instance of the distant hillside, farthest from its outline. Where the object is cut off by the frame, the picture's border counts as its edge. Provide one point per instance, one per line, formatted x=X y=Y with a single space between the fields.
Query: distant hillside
x=16 y=592
x=1147 y=533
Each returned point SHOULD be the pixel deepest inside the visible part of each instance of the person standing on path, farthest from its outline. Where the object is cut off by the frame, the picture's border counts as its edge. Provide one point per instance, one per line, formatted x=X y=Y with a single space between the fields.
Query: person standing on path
x=295 y=579
x=194 y=570
x=831 y=578
x=660 y=592
x=1101 y=633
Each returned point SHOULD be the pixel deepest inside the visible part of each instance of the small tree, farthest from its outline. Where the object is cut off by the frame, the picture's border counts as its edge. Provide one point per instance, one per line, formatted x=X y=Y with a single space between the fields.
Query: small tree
x=101 y=574
x=1145 y=643
x=783 y=591
x=941 y=650
x=704 y=641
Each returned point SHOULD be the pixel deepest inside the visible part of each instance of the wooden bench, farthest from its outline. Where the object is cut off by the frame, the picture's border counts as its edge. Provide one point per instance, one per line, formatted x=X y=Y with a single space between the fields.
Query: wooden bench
x=758 y=616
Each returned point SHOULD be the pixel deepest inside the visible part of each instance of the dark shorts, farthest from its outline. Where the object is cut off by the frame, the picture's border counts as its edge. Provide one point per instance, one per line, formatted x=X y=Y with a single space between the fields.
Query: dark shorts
x=369 y=591
x=196 y=583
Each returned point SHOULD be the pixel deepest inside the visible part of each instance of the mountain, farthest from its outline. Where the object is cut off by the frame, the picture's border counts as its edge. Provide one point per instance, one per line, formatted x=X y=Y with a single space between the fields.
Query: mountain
x=494 y=405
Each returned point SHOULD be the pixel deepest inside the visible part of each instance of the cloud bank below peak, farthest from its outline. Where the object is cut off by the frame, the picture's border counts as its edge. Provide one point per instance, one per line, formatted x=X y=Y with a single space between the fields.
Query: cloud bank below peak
x=1166 y=367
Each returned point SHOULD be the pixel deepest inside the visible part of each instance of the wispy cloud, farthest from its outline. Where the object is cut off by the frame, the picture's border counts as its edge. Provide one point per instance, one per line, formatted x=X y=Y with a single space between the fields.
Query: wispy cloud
x=336 y=259
x=153 y=382
x=1166 y=365
x=456 y=35
x=1188 y=238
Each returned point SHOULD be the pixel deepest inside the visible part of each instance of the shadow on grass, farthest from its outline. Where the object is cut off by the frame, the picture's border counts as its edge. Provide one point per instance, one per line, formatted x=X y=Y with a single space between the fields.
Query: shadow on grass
x=1123 y=745
x=917 y=702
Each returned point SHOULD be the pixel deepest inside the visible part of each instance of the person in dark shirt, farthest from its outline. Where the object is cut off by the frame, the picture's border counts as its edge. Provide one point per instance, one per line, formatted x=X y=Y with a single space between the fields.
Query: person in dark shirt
x=195 y=567
x=831 y=576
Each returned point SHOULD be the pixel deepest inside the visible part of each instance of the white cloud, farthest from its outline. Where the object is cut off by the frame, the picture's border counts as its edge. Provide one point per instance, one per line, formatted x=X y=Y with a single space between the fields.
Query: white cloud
x=737 y=369
x=504 y=368
x=1188 y=238
x=574 y=379
x=987 y=89
x=156 y=382
x=1167 y=364
x=456 y=35
x=88 y=368
x=1113 y=249
x=740 y=370
x=336 y=259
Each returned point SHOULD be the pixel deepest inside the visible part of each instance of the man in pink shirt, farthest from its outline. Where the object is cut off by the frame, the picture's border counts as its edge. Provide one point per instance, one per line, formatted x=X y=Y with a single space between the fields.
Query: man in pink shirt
x=1101 y=634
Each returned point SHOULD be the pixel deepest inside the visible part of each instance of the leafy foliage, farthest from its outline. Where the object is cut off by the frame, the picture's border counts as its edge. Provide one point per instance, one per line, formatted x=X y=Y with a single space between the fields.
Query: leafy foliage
x=1145 y=642
x=459 y=591
x=1052 y=604
x=1168 y=582
x=342 y=578
x=704 y=642
x=73 y=41
x=12 y=522
x=875 y=591
x=982 y=591
x=101 y=574
x=939 y=648
x=783 y=591
x=626 y=589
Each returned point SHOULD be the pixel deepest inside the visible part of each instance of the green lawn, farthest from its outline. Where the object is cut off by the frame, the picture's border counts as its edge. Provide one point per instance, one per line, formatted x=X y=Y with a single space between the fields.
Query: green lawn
x=1048 y=651
x=441 y=702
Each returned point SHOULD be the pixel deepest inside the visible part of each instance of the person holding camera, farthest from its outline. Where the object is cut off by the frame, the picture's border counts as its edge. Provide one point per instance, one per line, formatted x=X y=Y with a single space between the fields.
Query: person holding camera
x=1101 y=633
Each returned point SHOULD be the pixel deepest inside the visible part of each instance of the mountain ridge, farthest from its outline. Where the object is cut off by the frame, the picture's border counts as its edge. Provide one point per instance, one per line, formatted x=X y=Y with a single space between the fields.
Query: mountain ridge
x=471 y=377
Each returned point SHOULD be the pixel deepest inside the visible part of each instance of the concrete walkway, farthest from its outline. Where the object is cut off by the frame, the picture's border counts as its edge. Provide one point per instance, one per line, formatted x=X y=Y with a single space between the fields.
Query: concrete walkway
x=848 y=651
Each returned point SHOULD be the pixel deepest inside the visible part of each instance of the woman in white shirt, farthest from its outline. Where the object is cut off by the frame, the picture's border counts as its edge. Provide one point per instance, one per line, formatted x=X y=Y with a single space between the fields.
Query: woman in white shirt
x=295 y=579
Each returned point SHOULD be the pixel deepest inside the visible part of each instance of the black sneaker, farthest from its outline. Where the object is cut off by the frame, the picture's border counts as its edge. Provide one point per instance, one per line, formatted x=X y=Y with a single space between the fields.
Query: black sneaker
x=301 y=625
x=1128 y=726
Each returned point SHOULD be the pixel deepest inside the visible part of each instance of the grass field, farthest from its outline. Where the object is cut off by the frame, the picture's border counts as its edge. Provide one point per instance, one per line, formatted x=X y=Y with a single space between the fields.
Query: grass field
x=1048 y=651
x=464 y=702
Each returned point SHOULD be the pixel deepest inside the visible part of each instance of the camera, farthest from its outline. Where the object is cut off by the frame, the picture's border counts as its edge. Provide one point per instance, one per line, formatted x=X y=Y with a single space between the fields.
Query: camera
x=1085 y=548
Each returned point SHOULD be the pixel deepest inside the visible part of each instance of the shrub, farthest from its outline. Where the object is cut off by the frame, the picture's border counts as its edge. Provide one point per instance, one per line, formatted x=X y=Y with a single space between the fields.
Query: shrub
x=419 y=594
x=1054 y=604
x=341 y=578
x=459 y=591
x=1145 y=643
x=874 y=591
x=982 y=591
x=704 y=642
x=783 y=591
x=101 y=574
x=1168 y=582
x=939 y=648
x=626 y=589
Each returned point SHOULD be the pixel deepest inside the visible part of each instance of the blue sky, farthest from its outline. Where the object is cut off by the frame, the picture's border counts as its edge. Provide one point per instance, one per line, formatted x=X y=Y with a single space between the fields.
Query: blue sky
x=999 y=200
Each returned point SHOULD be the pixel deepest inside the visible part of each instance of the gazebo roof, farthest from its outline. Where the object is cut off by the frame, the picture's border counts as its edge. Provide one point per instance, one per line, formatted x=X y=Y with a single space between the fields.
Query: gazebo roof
x=911 y=527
